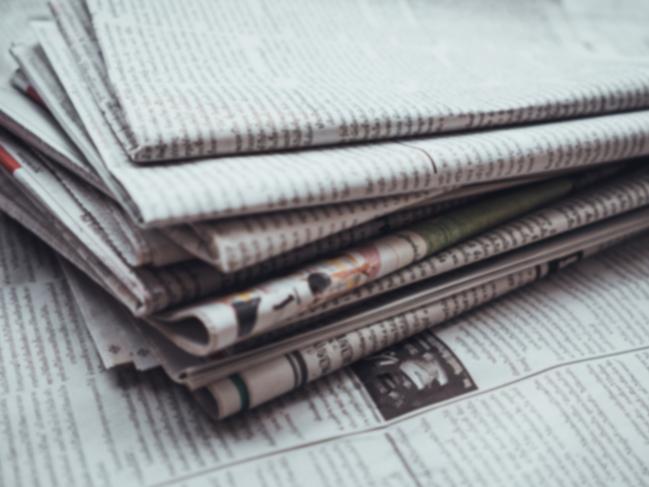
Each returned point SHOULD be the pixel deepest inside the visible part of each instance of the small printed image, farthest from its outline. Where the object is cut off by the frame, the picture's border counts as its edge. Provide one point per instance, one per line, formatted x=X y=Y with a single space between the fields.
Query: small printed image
x=416 y=373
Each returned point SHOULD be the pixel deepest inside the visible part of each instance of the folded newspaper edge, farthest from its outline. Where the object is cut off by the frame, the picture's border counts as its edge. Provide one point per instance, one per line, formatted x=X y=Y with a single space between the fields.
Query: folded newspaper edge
x=260 y=383
x=195 y=372
x=235 y=244
x=127 y=73
x=222 y=188
x=214 y=324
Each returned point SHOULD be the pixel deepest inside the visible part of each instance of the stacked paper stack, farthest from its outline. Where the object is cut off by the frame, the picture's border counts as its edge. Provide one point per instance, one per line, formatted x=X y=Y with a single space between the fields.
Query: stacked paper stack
x=274 y=191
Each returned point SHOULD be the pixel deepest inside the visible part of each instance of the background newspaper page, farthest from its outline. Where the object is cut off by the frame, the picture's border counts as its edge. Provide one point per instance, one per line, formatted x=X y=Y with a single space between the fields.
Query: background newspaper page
x=513 y=366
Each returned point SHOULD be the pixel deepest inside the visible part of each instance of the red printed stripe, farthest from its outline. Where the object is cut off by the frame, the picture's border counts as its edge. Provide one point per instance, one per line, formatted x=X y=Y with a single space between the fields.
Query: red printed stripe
x=7 y=161
x=33 y=94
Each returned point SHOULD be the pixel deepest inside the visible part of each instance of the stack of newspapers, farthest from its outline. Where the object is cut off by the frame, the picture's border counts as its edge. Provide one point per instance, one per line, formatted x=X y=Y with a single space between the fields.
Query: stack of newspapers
x=255 y=194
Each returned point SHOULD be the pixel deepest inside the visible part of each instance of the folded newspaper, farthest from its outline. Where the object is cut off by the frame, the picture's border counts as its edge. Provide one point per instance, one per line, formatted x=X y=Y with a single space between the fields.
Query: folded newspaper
x=253 y=196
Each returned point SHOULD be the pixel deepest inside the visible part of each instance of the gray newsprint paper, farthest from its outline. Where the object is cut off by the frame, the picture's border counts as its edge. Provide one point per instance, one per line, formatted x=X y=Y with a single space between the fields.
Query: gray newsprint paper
x=211 y=188
x=402 y=257
x=200 y=80
x=506 y=395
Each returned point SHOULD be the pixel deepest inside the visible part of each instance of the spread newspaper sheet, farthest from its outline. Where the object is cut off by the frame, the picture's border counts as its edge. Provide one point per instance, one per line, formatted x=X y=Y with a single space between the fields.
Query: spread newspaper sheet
x=490 y=385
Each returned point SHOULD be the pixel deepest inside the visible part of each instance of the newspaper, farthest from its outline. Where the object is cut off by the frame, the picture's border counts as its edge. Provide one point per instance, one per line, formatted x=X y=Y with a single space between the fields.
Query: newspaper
x=622 y=194
x=122 y=348
x=145 y=290
x=112 y=328
x=237 y=243
x=505 y=373
x=33 y=124
x=74 y=232
x=142 y=290
x=251 y=386
x=202 y=189
x=14 y=27
x=195 y=372
x=22 y=116
x=568 y=247
x=193 y=82
x=26 y=260
x=156 y=290
x=234 y=244
x=248 y=241
x=86 y=224
x=64 y=196
x=89 y=235
x=200 y=241
x=544 y=386
x=217 y=324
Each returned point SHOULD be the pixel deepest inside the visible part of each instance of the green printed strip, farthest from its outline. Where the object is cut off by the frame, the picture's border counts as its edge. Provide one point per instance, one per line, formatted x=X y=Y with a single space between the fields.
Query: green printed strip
x=460 y=224
x=242 y=389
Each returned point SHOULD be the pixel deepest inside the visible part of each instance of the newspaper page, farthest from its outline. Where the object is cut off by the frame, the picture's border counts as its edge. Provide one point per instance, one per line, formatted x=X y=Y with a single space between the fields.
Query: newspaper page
x=26 y=260
x=623 y=194
x=196 y=372
x=218 y=188
x=27 y=119
x=98 y=231
x=237 y=243
x=251 y=386
x=23 y=258
x=32 y=123
x=387 y=305
x=66 y=196
x=159 y=288
x=142 y=290
x=485 y=386
x=247 y=242
x=112 y=328
x=502 y=396
x=237 y=240
x=136 y=246
x=14 y=22
x=155 y=289
x=596 y=24
x=302 y=74
x=84 y=159
x=174 y=285
x=240 y=242
x=269 y=304
x=22 y=210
